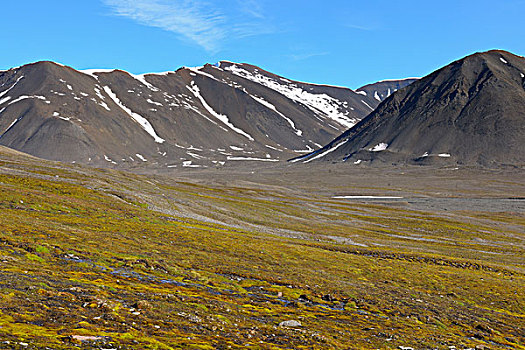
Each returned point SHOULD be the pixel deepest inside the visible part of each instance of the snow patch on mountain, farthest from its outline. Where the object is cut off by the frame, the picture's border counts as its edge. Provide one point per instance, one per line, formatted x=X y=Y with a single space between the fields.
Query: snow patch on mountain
x=321 y=104
x=95 y=72
x=109 y=159
x=4 y=100
x=194 y=89
x=11 y=125
x=99 y=93
x=189 y=164
x=366 y=104
x=275 y=149
x=142 y=79
x=12 y=86
x=197 y=70
x=21 y=98
x=144 y=123
x=195 y=155
x=329 y=150
x=308 y=149
x=150 y=101
x=104 y=104
x=252 y=159
x=141 y=157
x=273 y=108
x=379 y=147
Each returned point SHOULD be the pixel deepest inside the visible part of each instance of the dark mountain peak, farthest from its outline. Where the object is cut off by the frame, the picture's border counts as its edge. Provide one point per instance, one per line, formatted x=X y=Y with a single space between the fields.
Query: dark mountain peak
x=471 y=67
x=45 y=67
x=44 y=63
x=207 y=116
x=469 y=112
x=247 y=67
x=491 y=54
x=226 y=63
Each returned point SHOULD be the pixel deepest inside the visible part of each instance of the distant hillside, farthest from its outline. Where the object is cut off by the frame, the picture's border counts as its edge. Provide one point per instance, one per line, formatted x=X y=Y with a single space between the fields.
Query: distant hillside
x=469 y=112
x=381 y=90
x=207 y=116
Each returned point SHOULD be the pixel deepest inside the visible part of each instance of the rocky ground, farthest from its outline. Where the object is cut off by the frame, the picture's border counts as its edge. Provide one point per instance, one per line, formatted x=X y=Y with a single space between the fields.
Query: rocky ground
x=260 y=258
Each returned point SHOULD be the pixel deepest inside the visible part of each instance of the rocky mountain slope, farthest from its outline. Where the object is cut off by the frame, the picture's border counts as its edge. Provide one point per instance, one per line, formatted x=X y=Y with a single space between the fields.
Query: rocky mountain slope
x=207 y=116
x=469 y=112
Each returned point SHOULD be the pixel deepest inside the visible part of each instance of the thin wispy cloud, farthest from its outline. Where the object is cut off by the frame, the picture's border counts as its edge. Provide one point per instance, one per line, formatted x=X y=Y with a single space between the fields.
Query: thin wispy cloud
x=251 y=7
x=365 y=28
x=207 y=24
x=307 y=55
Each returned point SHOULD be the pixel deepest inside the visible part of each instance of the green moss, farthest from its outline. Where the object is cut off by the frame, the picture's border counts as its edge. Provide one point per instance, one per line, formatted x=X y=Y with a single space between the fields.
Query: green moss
x=42 y=249
x=33 y=257
x=97 y=261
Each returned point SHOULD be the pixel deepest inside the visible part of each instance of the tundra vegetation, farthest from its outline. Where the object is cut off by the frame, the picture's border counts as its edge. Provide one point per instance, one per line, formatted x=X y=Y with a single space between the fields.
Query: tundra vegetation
x=98 y=259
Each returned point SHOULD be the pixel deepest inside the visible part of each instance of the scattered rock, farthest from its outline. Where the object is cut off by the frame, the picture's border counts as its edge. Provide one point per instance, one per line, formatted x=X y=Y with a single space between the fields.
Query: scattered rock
x=142 y=305
x=328 y=297
x=172 y=297
x=194 y=319
x=319 y=337
x=484 y=328
x=86 y=338
x=290 y=323
x=303 y=298
x=481 y=347
x=479 y=336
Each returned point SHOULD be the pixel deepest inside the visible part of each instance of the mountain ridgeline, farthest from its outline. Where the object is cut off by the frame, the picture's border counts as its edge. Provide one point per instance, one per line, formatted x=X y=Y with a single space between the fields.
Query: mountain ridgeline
x=470 y=112
x=208 y=116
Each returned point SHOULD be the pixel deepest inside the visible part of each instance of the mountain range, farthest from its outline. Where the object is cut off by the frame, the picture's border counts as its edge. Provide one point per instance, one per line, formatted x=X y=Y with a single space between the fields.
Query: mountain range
x=206 y=116
x=470 y=112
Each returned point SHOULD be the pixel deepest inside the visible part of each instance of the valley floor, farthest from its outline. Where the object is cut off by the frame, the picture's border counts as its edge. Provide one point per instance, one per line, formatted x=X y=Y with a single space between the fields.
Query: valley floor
x=267 y=258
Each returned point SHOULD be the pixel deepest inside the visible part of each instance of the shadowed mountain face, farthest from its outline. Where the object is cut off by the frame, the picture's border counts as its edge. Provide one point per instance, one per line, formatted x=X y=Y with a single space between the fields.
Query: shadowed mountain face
x=469 y=112
x=213 y=115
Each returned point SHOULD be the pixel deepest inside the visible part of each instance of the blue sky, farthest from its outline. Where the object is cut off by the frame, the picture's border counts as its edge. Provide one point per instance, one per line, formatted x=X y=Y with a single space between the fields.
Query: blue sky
x=340 y=42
